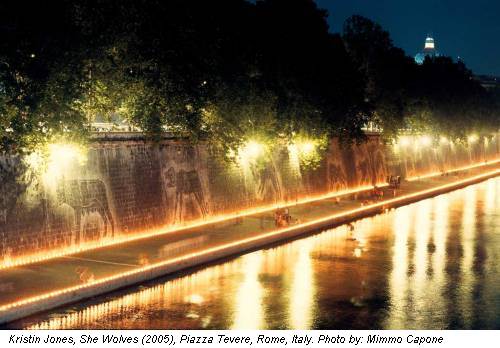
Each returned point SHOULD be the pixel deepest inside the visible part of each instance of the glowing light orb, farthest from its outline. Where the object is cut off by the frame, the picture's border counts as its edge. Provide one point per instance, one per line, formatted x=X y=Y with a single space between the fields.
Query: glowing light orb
x=61 y=159
x=61 y=153
x=472 y=138
x=302 y=150
x=404 y=141
x=306 y=147
x=425 y=140
x=251 y=150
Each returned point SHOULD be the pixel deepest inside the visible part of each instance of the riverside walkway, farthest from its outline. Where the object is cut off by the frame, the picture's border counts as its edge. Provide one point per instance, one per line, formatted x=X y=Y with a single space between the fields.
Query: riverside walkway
x=35 y=287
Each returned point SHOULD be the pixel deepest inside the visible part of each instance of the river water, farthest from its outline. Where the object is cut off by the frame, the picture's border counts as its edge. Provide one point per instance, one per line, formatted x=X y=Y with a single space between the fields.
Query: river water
x=430 y=265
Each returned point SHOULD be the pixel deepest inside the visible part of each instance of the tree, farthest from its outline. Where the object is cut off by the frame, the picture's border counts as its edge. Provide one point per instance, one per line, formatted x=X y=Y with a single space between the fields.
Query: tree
x=456 y=104
x=221 y=70
x=388 y=73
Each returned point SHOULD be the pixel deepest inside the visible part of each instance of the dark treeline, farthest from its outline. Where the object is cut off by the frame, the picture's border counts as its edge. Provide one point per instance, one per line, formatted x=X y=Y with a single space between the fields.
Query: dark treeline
x=222 y=70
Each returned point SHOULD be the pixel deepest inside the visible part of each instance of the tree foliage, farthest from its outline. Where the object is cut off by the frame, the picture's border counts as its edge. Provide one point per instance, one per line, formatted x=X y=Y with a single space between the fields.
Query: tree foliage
x=440 y=97
x=224 y=71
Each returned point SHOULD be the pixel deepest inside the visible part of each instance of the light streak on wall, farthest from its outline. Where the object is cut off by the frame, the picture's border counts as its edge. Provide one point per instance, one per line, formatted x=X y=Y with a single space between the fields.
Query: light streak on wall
x=454 y=170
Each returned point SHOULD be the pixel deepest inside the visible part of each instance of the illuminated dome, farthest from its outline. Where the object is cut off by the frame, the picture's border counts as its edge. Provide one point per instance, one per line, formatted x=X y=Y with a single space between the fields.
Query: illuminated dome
x=428 y=51
x=429 y=44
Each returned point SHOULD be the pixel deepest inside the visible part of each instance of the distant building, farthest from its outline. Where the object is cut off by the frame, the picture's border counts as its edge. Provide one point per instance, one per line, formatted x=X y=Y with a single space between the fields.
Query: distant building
x=429 y=50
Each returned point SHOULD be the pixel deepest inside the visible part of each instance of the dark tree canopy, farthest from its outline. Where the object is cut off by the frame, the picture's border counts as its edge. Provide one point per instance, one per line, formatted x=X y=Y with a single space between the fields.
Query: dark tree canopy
x=220 y=70
x=439 y=97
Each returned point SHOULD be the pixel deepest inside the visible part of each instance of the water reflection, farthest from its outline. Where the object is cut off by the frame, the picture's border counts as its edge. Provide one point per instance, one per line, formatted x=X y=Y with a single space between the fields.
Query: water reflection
x=429 y=265
x=468 y=245
x=248 y=301
x=301 y=305
x=398 y=281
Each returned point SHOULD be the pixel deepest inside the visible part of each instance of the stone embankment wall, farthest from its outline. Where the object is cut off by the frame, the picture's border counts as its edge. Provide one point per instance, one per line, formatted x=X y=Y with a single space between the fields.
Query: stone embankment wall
x=131 y=186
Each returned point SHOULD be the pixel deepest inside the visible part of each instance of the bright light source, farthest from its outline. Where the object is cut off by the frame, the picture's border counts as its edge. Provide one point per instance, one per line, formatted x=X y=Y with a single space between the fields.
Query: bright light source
x=404 y=141
x=61 y=158
x=472 y=138
x=443 y=141
x=60 y=154
x=306 y=147
x=302 y=150
x=251 y=150
x=425 y=140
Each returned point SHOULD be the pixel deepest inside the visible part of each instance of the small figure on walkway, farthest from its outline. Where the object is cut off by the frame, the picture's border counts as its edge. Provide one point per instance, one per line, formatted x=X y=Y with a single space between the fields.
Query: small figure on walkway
x=277 y=218
x=238 y=220
x=377 y=193
x=394 y=181
x=282 y=217
x=350 y=228
x=143 y=259
x=84 y=274
x=288 y=217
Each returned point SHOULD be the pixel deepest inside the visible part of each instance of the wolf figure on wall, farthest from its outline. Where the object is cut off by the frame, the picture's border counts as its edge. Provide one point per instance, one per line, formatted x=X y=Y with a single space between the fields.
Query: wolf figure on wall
x=336 y=170
x=182 y=185
x=88 y=200
x=129 y=186
x=188 y=189
x=370 y=163
x=268 y=185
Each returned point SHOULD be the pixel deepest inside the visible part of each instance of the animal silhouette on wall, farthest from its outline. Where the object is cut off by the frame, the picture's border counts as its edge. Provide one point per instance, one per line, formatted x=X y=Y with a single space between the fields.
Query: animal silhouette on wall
x=188 y=189
x=268 y=188
x=336 y=174
x=370 y=166
x=86 y=197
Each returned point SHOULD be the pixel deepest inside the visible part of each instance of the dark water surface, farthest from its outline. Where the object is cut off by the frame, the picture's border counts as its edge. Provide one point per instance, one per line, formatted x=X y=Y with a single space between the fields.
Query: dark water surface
x=429 y=265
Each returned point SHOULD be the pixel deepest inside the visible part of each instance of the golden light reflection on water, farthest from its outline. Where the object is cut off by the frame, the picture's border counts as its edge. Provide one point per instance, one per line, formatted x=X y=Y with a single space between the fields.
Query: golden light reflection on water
x=421 y=258
x=248 y=302
x=301 y=303
x=398 y=284
x=186 y=289
x=491 y=198
x=468 y=246
x=421 y=231
x=439 y=236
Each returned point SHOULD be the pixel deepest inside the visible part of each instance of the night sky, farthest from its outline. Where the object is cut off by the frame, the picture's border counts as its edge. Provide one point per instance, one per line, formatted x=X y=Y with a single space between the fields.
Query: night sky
x=465 y=28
